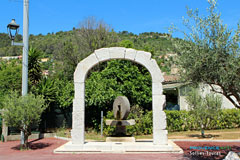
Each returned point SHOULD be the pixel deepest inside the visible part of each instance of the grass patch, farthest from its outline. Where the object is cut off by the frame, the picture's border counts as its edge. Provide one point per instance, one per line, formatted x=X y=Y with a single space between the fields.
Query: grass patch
x=210 y=134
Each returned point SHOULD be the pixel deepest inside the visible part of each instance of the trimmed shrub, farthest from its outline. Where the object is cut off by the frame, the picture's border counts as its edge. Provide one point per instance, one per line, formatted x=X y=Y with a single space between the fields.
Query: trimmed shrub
x=183 y=121
x=0 y=124
x=176 y=121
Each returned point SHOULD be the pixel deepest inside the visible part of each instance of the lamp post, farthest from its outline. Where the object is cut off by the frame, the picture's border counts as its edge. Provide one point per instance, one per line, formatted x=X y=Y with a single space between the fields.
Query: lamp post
x=13 y=27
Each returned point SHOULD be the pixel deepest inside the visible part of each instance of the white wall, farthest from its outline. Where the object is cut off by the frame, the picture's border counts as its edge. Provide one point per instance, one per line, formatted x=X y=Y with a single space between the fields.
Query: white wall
x=206 y=89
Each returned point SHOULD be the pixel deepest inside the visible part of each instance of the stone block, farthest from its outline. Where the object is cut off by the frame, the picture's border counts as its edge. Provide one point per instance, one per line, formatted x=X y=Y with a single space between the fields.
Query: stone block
x=102 y=54
x=160 y=137
x=157 y=88
x=160 y=125
x=80 y=73
x=159 y=120
x=117 y=52
x=77 y=136
x=83 y=67
x=78 y=119
x=79 y=90
x=158 y=102
x=159 y=114
x=155 y=72
x=78 y=104
x=130 y=54
x=143 y=58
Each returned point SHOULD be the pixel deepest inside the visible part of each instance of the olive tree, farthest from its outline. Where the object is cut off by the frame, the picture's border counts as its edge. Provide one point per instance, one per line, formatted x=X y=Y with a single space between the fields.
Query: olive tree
x=210 y=53
x=203 y=108
x=23 y=112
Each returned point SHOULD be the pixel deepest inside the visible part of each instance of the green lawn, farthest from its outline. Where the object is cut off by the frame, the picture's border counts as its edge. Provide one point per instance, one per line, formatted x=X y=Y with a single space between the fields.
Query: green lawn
x=210 y=134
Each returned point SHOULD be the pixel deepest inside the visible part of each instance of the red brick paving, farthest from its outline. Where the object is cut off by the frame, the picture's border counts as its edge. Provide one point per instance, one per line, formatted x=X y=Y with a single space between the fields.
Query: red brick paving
x=219 y=154
x=43 y=150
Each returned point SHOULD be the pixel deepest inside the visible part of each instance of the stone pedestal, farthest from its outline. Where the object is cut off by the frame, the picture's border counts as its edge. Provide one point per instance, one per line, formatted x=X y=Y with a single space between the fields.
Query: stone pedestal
x=118 y=147
x=120 y=139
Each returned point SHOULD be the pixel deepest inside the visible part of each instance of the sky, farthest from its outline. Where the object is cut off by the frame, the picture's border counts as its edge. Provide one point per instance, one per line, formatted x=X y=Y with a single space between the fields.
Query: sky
x=137 y=16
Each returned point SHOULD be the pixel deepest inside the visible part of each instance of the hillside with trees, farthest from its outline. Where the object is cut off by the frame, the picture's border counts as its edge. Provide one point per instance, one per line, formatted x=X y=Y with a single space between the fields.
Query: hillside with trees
x=81 y=43
x=154 y=42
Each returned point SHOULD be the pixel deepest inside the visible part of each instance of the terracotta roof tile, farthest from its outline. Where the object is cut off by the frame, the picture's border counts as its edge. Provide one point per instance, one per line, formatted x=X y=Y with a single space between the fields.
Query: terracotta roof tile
x=171 y=78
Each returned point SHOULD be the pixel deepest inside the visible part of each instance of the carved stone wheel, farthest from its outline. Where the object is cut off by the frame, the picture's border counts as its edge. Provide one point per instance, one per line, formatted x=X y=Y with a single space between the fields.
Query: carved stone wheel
x=121 y=108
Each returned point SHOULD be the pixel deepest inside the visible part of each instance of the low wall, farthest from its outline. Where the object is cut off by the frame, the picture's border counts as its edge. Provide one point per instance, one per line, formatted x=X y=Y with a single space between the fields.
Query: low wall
x=33 y=136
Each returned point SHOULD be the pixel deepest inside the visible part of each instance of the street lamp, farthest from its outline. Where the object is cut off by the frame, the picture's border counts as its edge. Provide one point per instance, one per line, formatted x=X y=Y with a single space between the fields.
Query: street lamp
x=13 y=26
x=13 y=29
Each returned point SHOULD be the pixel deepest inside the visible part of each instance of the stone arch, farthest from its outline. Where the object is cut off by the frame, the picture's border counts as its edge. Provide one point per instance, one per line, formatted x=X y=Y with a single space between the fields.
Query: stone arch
x=105 y=54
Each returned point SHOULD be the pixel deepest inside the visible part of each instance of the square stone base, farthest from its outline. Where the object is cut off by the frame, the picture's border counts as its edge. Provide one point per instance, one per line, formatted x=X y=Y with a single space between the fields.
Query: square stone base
x=118 y=147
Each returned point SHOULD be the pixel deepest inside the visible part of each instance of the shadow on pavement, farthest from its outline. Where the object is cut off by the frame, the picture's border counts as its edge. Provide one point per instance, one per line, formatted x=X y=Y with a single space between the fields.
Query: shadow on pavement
x=33 y=145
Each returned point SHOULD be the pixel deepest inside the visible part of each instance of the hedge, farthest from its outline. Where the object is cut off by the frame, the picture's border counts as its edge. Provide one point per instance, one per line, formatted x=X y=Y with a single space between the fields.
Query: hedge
x=178 y=121
x=0 y=125
x=183 y=121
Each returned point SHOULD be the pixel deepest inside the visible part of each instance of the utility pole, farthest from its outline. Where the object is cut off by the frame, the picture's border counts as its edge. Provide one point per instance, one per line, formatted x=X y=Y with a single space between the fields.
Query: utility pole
x=25 y=53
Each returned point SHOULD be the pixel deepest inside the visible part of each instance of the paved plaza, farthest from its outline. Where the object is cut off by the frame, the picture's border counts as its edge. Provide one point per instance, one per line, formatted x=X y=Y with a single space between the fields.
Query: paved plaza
x=42 y=149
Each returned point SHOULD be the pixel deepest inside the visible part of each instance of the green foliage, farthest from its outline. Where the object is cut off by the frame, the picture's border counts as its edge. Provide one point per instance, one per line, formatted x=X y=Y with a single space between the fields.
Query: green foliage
x=117 y=78
x=19 y=111
x=0 y=124
x=228 y=118
x=93 y=34
x=5 y=45
x=64 y=93
x=55 y=91
x=107 y=129
x=46 y=87
x=23 y=112
x=67 y=59
x=154 y=42
x=127 y=44
x=176 y=121
x=184 y=120
x=203 y=108
x=10 y=77
x=34 y=66
x=143 y=121
x=210 y=53
x=179 y=121
x=58 y=95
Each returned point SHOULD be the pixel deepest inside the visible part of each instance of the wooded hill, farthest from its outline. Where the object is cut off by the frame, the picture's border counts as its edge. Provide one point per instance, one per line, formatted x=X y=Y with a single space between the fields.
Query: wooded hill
x=79 y=43
x=156 y=43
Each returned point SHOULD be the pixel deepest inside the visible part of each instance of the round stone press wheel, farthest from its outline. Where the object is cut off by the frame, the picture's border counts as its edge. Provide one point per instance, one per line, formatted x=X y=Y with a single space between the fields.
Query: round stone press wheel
x=122 y=103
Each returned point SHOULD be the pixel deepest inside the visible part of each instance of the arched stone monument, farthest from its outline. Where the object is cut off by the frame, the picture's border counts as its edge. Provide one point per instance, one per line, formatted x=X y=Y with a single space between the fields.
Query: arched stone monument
x=105 y=54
